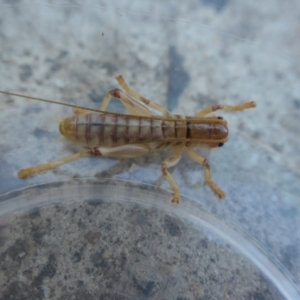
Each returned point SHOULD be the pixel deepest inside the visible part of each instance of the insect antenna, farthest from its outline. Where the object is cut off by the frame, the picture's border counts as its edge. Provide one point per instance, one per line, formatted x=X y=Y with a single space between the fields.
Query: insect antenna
x=50 y=101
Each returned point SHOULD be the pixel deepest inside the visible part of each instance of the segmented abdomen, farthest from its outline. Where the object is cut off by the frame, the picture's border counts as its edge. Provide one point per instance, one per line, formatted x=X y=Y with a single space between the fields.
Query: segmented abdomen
x=109 y=130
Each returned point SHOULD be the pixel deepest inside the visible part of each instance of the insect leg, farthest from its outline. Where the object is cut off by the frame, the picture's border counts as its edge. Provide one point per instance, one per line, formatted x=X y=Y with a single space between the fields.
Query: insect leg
x=25 y=173
x=80 y=111
x=170 y=162
x=126 y=151
x=203 y=161
x=142 y=99
x=228 y=108
x=133 y=106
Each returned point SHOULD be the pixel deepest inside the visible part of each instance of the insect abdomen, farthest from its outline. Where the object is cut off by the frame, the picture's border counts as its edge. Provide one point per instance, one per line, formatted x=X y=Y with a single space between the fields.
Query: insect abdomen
x=112 y=130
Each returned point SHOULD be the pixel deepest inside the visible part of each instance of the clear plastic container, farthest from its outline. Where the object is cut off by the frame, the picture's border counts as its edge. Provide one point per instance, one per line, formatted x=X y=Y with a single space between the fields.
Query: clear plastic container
x=102 y=228
x=114 y=239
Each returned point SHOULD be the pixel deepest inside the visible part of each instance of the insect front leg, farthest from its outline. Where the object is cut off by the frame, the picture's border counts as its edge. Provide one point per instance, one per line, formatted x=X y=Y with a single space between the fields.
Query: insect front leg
x=227 y=108
x=170 y=162
x=142 y=99
x=203 y=161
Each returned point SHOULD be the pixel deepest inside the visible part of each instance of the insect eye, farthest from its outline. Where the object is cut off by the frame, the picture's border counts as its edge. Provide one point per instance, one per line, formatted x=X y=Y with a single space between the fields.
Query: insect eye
x=220 y=118
x=220 y=144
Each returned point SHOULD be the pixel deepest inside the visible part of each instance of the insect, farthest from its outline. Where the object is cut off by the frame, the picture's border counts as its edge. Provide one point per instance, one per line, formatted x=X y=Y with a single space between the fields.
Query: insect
x=130 y=135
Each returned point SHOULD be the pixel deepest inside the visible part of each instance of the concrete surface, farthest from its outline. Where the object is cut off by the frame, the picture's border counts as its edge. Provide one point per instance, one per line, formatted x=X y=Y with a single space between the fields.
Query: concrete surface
x=184 y=56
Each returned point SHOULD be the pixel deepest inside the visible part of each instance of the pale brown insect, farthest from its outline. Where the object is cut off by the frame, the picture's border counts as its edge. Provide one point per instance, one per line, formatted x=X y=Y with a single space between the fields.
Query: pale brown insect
x=126 y=136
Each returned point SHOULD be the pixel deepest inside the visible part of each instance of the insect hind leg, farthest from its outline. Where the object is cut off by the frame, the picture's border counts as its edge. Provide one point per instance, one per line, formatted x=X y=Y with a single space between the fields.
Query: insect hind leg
x=127 y=151
x=29 y=172
x=133 y=106
x=142 y=99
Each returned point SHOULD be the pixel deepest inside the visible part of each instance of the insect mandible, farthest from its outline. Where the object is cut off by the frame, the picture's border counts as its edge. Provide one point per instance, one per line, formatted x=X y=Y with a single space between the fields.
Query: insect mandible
x=130 y=135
